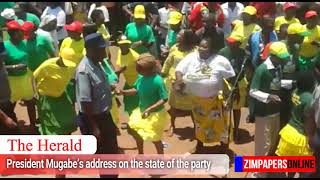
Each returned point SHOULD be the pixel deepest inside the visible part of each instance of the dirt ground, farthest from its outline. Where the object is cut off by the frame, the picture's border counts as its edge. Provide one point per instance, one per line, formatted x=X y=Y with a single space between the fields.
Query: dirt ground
x=180 y=143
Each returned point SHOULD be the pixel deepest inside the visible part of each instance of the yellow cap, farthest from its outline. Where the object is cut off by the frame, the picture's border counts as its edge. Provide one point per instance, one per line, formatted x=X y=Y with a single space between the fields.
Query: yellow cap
x=68 y=54
x=279 y=49
x=235 y=37
x=175 y=17
x=139 y=12
x=250 y=10
x=297 y=28
x=124 y=40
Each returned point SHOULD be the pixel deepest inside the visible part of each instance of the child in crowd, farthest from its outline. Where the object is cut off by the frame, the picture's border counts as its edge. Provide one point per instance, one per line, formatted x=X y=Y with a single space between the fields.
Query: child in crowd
x=147 y=122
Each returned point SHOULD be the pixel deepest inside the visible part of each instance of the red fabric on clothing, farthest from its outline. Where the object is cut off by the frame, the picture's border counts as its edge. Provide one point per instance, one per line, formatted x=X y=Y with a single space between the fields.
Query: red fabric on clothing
x=195 y=17
x=264 y=8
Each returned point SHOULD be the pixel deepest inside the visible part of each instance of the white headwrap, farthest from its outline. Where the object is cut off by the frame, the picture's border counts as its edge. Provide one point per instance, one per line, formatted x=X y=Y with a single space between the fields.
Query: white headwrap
x=8 y=14
x=46 y=20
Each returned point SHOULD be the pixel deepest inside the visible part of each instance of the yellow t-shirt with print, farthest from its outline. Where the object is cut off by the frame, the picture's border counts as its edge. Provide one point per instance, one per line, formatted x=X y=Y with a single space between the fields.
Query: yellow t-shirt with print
x=77 y=46
x=281 y=20
x=307 y=49
x=245 y=31
x=129 y=61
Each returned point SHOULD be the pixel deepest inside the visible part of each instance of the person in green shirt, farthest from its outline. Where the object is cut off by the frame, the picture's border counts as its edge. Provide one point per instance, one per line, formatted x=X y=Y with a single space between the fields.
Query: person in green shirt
x=236 y=56
x=293 y=140
x=148 y=121
x=39 y=47
x=175 y=19
x=139 y=33
x=265 y=91
x=20 y=77
x=22 y=14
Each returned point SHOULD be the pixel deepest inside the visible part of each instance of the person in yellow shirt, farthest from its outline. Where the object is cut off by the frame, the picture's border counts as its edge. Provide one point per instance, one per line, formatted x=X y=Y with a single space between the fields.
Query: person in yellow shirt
x=247 y=26
x=180 y=105
x=126 y=60
x=310 y=46
x=289 y=9
x=56 y=113
x=74 y=40
x=97 y=17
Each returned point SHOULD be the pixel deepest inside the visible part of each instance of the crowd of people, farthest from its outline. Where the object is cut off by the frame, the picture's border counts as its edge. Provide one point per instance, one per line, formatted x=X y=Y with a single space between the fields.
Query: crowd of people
x=206 y=60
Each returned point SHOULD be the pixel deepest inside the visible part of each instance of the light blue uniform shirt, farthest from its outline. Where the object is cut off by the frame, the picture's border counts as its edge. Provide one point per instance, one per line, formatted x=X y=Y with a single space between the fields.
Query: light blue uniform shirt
x=92 y=86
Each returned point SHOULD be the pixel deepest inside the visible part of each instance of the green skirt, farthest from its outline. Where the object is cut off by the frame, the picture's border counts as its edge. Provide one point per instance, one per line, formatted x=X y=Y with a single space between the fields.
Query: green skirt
x=57 y=115
x=130 y=102
x=71 y=90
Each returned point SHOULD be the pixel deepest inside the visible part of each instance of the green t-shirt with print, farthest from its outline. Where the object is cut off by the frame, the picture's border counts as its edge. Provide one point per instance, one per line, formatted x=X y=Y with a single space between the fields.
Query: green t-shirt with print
x=301 y=102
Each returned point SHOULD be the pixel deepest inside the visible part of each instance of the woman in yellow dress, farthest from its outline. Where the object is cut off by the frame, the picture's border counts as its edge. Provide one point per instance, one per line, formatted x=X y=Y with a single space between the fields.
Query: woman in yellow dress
x=201 y=74
x=180 y=105
x=148 y=120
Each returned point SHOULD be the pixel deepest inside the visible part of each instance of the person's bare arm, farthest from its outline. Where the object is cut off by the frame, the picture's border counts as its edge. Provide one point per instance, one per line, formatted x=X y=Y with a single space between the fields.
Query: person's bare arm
x=147 y=44
x=127 y=10
x=310 y=123
x=155 y=20
x=128 y=92
x=7 y=121
x=179 y=84
x=120 y=70
x=153 y=107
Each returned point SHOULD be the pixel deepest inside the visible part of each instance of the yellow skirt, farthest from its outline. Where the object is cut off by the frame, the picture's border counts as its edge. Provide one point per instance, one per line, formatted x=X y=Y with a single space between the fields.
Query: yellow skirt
x=115 y=111
x=176 y=100
x=151 y=128
x=211 y=120
x=243 y=91
x=21 y=87
x=292 y=143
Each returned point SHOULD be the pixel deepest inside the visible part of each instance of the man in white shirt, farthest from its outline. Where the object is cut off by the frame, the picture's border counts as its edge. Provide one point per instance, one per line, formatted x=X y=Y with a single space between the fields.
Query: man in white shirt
x=231 y=11
x=55 y=9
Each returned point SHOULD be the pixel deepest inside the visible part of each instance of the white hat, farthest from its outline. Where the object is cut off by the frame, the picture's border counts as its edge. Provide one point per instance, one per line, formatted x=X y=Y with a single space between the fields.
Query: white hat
x=8 y=14
x=47 y=19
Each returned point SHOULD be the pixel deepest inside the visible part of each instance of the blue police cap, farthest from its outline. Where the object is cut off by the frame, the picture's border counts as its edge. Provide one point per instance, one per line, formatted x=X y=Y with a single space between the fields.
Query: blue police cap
x=94 y=40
